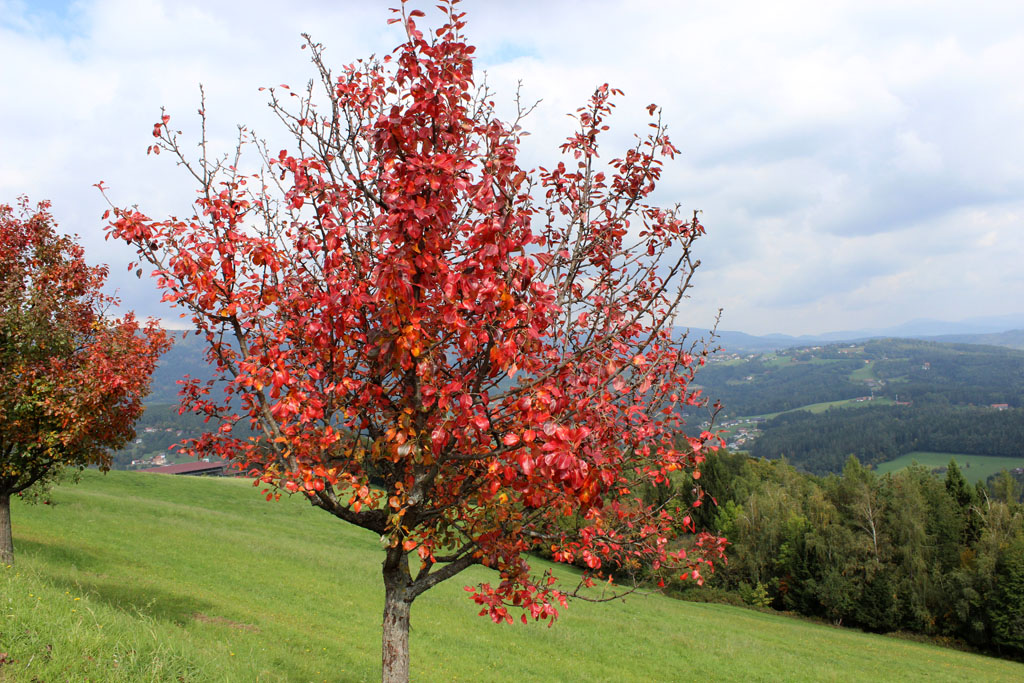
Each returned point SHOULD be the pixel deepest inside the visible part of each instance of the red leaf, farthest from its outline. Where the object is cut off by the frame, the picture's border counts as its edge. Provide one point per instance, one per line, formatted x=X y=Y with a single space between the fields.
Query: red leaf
x=398 y=322
x=526 y=464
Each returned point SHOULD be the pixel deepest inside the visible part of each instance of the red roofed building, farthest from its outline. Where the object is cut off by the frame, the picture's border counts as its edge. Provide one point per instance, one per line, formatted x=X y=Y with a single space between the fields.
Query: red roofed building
x=211 y=469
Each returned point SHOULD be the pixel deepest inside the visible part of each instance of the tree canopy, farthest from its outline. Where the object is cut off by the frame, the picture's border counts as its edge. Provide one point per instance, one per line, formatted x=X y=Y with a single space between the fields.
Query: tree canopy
x=72 y=377
x=470 y=359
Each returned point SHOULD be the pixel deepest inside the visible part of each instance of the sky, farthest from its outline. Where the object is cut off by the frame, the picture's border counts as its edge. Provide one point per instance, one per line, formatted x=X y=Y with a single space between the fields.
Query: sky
x=857 y=164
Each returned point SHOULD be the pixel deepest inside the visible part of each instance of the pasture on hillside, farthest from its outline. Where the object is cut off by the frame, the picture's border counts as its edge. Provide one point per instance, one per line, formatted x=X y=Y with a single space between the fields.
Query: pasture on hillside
x=975 y=468
x=132 y=576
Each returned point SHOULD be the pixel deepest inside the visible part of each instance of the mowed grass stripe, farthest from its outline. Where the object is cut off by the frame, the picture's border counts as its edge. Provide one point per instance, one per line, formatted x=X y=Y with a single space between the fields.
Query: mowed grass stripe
x=202 y=580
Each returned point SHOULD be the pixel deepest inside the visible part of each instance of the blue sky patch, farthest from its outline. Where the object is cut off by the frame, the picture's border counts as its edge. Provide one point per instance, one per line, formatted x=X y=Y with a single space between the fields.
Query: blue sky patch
x=59 y=18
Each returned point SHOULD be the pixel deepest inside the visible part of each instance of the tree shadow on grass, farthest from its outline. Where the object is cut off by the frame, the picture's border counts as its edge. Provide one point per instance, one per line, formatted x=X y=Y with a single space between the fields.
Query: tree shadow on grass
x=61 y=555
x=132 y=596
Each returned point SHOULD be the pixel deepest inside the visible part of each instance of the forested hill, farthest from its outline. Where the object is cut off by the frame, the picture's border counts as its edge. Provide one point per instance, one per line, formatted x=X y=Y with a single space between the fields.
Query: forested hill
x=185 y=358
x=903 y=369
x=161 y=429
x=878 y=400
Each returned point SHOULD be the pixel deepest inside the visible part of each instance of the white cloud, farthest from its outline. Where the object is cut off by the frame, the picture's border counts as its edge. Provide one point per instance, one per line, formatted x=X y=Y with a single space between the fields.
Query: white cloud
x=858 y=164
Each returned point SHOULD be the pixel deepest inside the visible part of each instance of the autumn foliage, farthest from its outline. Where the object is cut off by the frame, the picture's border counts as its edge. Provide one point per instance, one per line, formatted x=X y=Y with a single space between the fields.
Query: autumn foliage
x=72 y=377
x=470 y=359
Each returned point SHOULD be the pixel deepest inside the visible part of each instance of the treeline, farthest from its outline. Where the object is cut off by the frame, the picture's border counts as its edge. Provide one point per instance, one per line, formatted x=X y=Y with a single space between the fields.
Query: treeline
x=820 y=443
x=904 y=552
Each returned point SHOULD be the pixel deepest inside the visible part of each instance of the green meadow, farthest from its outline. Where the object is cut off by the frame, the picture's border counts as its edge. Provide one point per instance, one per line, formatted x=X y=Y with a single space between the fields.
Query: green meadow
x=142 y=577
x=817 y=408
x=975 y=468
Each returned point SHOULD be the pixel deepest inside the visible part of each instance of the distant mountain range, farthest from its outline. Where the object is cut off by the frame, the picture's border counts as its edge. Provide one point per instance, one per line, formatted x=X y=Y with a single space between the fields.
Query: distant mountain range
x=1007 y=331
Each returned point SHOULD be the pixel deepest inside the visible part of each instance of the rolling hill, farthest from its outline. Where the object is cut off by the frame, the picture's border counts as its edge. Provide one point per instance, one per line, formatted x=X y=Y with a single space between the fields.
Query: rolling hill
x=131 y=576
x=909 y=396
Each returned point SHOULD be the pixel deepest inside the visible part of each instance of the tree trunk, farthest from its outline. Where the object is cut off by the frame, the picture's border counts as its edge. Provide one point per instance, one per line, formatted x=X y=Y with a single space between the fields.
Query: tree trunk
x=6 y=539
x=395 y=631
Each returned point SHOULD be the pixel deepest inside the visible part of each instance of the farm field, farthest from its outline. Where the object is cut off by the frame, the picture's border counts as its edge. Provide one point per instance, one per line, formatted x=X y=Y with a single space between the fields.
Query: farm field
x=847 y=403
x=133 y=577
x=975 y=468
x=817 y=408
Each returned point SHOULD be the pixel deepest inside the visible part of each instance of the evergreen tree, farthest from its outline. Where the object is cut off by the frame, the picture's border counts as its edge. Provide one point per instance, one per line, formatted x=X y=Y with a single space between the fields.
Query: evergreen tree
x=1006 y=606
x=967 y=501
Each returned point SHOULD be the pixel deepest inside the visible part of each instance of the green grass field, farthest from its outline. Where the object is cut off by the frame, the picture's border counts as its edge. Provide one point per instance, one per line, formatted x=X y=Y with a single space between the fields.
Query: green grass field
x=975 y=468
x=141 y=577
x=847 y=403
x=825 y=405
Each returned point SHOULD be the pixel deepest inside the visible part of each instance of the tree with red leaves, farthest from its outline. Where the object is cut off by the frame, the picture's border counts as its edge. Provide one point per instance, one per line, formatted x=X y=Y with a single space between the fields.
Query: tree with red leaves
x=470 y=360
x=72 y=378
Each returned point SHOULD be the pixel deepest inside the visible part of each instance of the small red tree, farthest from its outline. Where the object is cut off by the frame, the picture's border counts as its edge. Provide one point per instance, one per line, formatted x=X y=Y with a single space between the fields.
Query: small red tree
x=470 y=360
x=71 y=378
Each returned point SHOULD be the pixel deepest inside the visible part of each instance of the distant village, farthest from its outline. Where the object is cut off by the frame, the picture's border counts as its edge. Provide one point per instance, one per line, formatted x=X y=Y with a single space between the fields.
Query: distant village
x=153 y=459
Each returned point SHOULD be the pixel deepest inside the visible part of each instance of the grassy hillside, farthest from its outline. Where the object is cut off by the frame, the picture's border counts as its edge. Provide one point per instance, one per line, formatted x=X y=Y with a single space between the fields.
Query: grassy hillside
x=975 y=468
x=135 y=577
